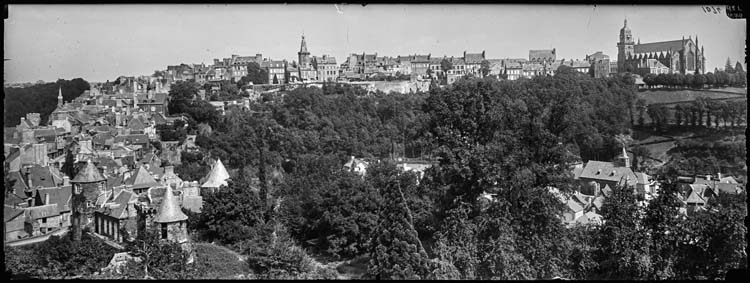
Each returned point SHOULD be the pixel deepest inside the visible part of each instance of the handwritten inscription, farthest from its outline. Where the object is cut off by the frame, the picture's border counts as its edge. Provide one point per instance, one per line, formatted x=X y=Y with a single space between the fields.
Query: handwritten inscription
x=711 y=9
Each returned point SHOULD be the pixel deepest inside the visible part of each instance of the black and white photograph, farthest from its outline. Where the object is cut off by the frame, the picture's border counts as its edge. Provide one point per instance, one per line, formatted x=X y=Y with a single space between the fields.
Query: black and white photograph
x=291 y=141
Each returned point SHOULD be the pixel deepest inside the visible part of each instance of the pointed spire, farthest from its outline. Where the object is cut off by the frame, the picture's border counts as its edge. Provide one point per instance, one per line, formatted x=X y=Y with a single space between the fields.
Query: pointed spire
x=303 y=46
x=170 y=210
x=59 y=97
x=639 y=41
x=626 y=23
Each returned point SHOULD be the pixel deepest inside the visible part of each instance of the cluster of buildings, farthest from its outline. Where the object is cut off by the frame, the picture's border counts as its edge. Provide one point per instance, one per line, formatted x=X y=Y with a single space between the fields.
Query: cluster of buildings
x=676 y=56
x=597 y=179
x=123 y=184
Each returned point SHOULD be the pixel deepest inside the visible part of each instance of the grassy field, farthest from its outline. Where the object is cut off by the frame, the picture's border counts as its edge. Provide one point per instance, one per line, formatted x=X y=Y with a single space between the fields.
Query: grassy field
x=673 y=96
x=220 y=262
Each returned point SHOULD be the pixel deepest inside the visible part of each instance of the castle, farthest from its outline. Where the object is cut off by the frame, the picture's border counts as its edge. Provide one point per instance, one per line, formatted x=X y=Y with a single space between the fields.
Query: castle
x=675 y=56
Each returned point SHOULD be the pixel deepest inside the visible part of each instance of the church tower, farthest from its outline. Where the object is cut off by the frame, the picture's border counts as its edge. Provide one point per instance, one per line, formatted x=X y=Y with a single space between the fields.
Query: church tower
x=625 y=48
x=59 y=98
x=303 y=55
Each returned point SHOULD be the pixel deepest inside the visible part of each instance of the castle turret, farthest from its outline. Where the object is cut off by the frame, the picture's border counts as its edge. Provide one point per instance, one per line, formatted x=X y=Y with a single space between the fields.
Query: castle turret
x=86 y=186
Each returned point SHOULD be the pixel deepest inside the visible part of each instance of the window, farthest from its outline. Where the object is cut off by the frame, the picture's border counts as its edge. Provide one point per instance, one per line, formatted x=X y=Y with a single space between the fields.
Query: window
x=164 y=231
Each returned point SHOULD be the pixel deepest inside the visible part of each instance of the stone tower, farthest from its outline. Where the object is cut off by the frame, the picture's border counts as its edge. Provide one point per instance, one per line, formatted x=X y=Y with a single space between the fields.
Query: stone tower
x=59 y=97
x=172 y=223
x=86 y=186
x=303 y=55
x=625 y=48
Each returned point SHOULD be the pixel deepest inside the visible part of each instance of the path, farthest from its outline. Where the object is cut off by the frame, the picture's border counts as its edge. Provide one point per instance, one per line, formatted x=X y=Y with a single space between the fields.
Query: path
x=37 y=239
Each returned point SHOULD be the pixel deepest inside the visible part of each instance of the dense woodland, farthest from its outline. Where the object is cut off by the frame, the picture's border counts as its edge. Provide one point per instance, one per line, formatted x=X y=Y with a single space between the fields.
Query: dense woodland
x=41 y=98
x=514 y=139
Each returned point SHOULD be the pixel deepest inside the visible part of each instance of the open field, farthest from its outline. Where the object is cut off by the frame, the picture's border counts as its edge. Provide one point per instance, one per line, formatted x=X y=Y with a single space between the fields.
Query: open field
x=222 y=263
x=676 y=96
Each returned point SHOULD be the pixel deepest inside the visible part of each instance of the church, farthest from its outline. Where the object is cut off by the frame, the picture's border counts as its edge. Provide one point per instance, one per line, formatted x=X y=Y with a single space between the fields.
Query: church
x=676 y=56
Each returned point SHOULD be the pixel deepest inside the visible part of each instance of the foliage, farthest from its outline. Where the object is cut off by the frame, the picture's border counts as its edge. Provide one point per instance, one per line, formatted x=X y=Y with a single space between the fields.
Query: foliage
x=397 y=252
x=40 y=98
x=624 y=245
x=255 y=75
x=231 y=213
x=58 y=258
x=159 y=259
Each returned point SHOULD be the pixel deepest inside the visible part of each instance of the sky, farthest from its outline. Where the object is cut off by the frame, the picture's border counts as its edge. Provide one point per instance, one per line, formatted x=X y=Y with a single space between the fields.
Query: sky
x=102 y=42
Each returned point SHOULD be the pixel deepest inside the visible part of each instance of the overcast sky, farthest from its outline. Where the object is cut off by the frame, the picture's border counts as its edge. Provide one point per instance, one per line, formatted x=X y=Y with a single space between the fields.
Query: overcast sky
x=102 y=42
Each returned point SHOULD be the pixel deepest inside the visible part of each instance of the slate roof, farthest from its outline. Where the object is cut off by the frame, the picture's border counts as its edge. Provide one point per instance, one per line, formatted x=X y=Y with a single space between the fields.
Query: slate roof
x=695 y=197
x=474 y=58
x=10 y=212
x=42 y=211
x=607 y=171
x=19 y=185
x=132 y=139
x=217 y=177
x=89 y=174
x=574 y=205
x=41 y=177
x=170 y=210
x=606 y=191
x=156 y=98
x=118 y=208
x=141 y=179
x=61 y=196
x=674 y=45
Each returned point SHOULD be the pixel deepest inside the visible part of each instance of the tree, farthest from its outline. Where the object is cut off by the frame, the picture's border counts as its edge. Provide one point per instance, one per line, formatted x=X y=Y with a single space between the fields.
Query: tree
x=255 y=75
x=650 y=79
x=710 y=79
x=230 y=214
x=641 y=104
x=275 y=79
x=624 y=245
x=699 y=80
x=158 y=259
x=728 y=66
x=485 y=68
x=397 y=252
x=181 y=95
x=665 y=225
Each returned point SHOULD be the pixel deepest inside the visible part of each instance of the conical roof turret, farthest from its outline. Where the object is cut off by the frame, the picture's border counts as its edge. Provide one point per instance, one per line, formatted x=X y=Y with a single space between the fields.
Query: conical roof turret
x=170 y=210
x=89 y=174
x=217 y=177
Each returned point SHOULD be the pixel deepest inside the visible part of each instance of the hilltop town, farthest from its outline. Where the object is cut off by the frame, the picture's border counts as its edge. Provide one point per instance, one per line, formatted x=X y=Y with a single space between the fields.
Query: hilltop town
x=341 y=161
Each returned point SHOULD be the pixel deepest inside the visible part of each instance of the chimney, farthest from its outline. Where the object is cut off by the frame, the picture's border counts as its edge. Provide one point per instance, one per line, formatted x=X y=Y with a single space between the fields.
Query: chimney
x=104 y=172
x=719 y=176
x=708 y=177
x=66 y=181
x=46 y=199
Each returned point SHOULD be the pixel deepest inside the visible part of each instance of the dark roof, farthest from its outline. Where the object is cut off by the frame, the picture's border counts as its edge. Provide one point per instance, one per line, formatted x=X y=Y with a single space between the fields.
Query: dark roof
x=58 y=195
x=141 y=179
x=10 y=212
x=103 y=139
x=136 y=124
x=603 y=171
x=39 y=212
x=674 y=45
x=19 y=186
x=41 y=177
x=156 y=98
x=89 y=174
x=120 y=204
x=132 y=139
x=474 y=58
x=158 y=118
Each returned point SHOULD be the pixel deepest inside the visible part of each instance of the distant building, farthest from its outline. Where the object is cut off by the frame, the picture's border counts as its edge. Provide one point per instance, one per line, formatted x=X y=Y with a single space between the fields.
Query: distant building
x=327 y=68
x=305 y=66
x=680 y=56
x=543 y=55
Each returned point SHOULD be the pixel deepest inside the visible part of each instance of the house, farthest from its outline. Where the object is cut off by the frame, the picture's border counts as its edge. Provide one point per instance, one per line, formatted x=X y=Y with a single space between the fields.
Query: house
x=41 y=219
x=474 y=63
x=328 y=70
x=117 y=218
x=610 y=174
x=141 y=181
x=573 y=210
x=14 y=223
x=60 y=196
x=589 y=218
x=356 y=165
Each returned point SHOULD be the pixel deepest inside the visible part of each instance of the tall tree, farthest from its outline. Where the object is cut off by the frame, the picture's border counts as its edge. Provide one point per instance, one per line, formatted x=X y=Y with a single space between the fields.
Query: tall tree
x=397 y=252
x=624 y=245
x=485 y=68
